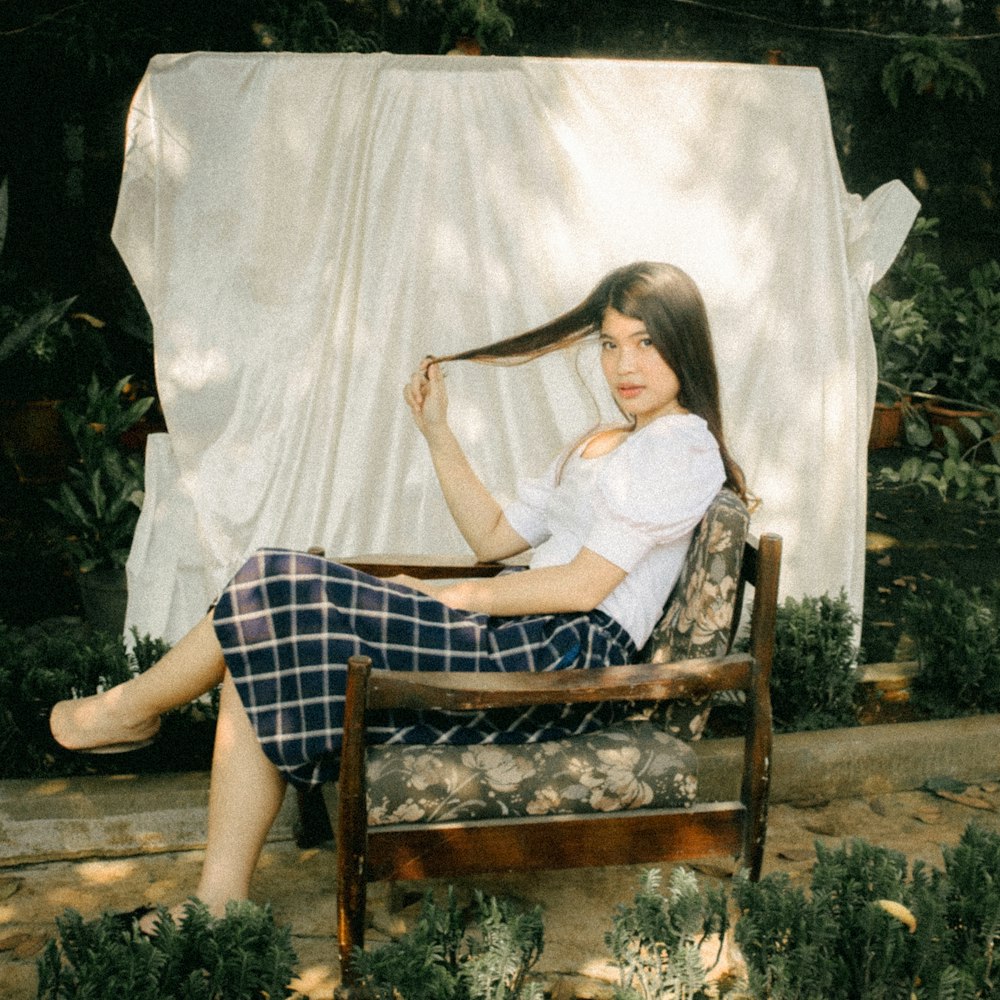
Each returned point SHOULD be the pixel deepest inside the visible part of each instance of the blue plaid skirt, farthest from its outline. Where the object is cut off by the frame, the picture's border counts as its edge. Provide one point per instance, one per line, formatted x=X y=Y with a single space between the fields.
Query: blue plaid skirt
x=288 y=622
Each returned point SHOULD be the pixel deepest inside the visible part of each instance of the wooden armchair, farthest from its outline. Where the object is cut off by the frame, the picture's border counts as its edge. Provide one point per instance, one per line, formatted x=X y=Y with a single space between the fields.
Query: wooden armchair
x=608 y=816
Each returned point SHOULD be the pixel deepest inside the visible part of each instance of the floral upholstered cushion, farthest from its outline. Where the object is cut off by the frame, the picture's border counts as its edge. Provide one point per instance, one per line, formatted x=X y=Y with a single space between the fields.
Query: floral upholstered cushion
x=627 y=766
x=699 y=614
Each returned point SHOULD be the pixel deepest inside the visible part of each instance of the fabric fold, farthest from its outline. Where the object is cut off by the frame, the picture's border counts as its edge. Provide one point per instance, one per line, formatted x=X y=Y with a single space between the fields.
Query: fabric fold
x=304 y=228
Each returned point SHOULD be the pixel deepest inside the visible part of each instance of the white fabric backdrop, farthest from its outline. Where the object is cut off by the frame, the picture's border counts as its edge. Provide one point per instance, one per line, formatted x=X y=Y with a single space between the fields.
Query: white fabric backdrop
x=304 y=228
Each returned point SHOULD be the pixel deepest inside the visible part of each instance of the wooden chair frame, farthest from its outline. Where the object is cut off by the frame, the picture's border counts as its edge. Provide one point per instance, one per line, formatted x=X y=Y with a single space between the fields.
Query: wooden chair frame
x=436 y=850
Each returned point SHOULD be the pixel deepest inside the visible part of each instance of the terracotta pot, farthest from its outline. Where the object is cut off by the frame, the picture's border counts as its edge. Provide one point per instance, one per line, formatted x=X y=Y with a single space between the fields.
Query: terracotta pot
x=35 y=440
x=887 y=426
x=134 y=439
x=466 y=46
x=941 y=416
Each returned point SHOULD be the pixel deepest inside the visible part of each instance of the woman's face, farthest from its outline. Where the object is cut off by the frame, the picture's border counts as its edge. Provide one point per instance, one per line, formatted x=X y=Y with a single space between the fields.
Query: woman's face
x=643 y=384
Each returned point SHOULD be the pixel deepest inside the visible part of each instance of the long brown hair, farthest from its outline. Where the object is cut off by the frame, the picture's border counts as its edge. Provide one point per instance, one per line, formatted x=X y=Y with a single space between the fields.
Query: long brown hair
x=669 y=305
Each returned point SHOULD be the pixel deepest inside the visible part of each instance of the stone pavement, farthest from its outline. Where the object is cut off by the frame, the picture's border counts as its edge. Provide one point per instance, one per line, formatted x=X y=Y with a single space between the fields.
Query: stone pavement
x=113 y=842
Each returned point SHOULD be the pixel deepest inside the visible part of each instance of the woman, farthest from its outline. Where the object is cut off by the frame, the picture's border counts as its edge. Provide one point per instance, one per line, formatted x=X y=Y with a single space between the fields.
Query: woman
x=609 y=522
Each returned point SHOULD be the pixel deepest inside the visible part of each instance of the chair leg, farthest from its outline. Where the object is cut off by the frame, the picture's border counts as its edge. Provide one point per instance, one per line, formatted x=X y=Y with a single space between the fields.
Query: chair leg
x=352 y=821
x=757 y=777
x=312 y=827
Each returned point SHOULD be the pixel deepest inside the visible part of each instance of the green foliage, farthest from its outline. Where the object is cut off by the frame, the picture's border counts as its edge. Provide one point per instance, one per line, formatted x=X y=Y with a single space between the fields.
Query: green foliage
x=957 y=633
x=656 y=941
x=935 y=335
x=957 y=471
x=439 y=959
x=902 y=343
x=813 y=679
x=941 y=341
x=42 y=345
x=971 y=893
x=930 y=65
x=38 y=335
x=867 y=930
x=100 y=501
x=484 y=20
x=43 y=664
x=307 y=26
x=241 y=956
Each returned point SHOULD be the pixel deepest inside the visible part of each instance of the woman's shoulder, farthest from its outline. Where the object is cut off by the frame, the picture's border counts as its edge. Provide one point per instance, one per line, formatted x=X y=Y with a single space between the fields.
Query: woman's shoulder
x=675 y=431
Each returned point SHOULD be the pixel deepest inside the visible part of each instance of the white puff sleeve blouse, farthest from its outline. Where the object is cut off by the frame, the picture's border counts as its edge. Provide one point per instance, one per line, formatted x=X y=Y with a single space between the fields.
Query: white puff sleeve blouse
x=636 y=506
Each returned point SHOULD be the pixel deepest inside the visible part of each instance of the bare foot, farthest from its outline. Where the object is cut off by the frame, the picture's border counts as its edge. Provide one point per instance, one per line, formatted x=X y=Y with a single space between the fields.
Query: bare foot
x=99 y=723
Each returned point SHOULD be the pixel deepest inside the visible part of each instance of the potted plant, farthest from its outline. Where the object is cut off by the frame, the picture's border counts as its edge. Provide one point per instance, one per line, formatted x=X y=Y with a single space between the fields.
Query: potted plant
x=967 y=384
x=100 y=500
x=903 y=340
x=43 y=351
x=939 y=344
x=472 y=26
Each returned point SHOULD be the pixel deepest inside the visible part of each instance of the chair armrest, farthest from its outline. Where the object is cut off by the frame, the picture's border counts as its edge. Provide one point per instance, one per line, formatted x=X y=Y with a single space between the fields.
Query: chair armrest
x=428 y=567
x=632 y=682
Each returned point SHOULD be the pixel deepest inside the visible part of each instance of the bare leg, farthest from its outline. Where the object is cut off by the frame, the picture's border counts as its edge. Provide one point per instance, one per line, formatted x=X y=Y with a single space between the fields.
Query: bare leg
x=131 y=711
x=245 y=795
x=246 y=789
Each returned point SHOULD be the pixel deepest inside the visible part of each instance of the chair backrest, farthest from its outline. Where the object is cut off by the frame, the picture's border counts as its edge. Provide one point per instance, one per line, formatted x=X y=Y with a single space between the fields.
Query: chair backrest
x=702 y=613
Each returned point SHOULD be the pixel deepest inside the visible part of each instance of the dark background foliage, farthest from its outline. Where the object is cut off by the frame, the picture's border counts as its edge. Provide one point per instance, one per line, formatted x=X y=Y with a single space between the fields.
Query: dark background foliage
x=68 y=71
x=69 y=68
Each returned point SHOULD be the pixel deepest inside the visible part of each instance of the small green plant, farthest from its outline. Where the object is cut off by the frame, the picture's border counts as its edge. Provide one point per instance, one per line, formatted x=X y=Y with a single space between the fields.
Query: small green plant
x=901 y=334
x=656 y=942
x=241 y=956
x=813 y=678
x=957 y=634
x=866 y=928
x=930 y=65
x=441 y=959
x=100 y=501
x=957 y=471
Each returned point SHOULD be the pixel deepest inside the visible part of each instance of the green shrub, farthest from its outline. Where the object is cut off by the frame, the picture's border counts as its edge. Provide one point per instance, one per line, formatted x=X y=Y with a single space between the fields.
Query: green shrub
x=813 y=680
x=441 y=959
x=957 y=633
x=241 y=956
x=43 y=664
x=867 y=930
x=656 y=942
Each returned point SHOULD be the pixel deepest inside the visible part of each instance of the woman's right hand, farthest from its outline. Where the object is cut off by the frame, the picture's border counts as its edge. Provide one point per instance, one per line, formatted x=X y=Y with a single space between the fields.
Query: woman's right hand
x=427 y=398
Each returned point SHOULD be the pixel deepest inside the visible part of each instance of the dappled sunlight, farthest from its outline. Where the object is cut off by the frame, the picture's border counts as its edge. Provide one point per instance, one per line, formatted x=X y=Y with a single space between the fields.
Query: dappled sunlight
x=316 y=981
x=48 y=788
x=192 y=370
x=106 y=872
x=602 y=970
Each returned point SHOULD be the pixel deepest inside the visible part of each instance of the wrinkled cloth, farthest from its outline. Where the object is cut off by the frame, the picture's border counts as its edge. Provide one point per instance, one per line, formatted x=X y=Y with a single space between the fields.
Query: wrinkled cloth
x=304 y=228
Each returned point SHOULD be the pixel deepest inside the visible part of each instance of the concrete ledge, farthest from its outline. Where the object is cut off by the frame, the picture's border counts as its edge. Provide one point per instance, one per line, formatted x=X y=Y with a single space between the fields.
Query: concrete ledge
x=63 y=819
x=865 y=760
